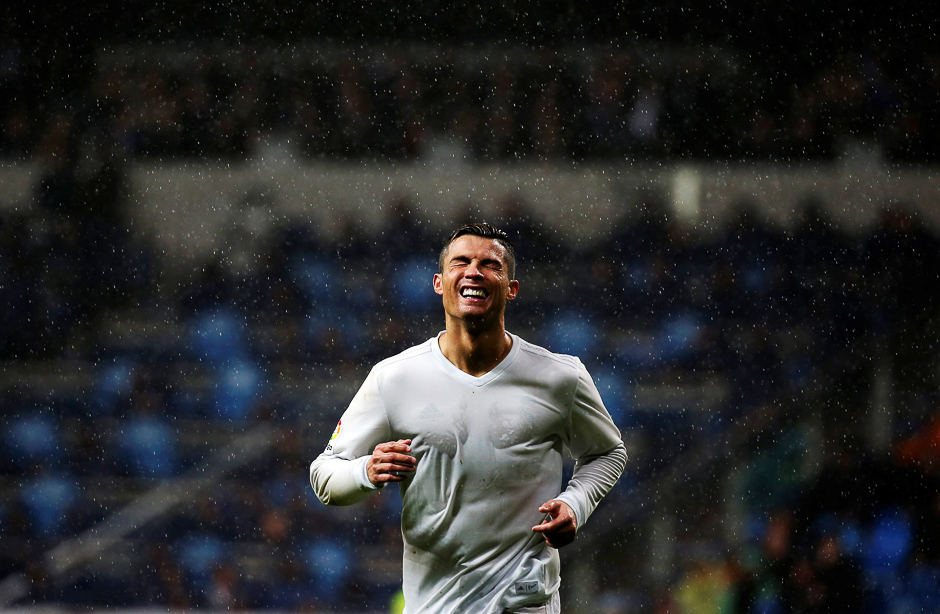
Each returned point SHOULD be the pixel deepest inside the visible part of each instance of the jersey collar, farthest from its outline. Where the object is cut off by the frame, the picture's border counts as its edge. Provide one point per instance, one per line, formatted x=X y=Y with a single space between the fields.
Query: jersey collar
x=463 y=376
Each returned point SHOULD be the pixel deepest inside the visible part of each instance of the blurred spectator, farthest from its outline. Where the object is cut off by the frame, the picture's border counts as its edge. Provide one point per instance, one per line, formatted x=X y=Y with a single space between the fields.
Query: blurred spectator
x=903 y=274
x=596 y=102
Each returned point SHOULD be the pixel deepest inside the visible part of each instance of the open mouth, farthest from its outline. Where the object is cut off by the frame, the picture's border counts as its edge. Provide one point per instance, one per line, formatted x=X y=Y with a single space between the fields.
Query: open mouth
x=478 y=293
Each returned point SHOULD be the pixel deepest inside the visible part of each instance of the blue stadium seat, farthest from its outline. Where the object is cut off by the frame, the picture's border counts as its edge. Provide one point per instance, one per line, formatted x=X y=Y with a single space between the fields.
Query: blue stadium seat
x=113 y=383
x=768 y=604
x=330 y=564
x=850 y=537
x=679 y=336
x=33 y=438
x=888 y=542
x=317 y=278
x=616 y=393
x=413 y=285
x=575 y=333
x=219 y=336
x=238 y=386
x=49 y=499
x=199 y=555
x=755 y=277
x=147 y=446
x=281 y=491
x=923 y=587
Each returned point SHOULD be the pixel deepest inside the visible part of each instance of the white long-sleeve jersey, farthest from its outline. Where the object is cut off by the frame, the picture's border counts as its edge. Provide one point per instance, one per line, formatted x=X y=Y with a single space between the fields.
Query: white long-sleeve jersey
x=489 y=453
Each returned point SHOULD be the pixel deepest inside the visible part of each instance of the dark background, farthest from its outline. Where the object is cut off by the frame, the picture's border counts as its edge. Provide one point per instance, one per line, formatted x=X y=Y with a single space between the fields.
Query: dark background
x=788 y=38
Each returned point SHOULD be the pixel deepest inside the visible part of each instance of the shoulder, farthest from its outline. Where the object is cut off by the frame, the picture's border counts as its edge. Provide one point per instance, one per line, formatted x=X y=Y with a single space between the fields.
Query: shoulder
x=404 y=360
x=540 y=354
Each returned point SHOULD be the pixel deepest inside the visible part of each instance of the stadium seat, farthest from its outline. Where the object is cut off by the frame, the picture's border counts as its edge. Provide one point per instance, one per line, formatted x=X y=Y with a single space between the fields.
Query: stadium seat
x=755 y=278
x=113 y=383
x=238 y=387
x=329 y=566
x=198 y=556
x=148 y=447
x=32 y=438
x=280 y=491
x=850 y=537
x=412 y=285
x=219 y=336
x=575 y=333
x=923 y=587
x=679 y=336
x=317 y=278
x=888 y=542
x=49 y=499
x=616 y=393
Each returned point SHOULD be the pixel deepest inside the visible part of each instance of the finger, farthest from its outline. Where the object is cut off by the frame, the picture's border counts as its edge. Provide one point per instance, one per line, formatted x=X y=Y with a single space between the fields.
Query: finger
x=394 y=446
x=399 y=443
x=394 y=473
x=550 y=526
x=388 y=467
x=393 y=468
x=392 y=457
x=388 y=477
x=550 y=507
x=555 y=523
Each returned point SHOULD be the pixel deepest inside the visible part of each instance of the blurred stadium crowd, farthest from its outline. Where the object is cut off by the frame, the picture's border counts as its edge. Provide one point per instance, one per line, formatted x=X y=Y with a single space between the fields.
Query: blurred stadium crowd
x=483 y=104
x=118 y=376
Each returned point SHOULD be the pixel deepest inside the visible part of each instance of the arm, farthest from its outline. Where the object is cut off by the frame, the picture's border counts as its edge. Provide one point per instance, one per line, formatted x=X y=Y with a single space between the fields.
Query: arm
x=360 y=456
x=600 y=458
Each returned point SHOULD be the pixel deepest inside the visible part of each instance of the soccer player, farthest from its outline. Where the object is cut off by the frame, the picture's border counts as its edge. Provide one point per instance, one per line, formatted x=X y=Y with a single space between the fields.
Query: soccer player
x=471 y=424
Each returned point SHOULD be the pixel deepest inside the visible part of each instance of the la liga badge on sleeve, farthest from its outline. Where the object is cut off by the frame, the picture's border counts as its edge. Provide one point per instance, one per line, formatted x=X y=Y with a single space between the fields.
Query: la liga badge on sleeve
x=339 y=427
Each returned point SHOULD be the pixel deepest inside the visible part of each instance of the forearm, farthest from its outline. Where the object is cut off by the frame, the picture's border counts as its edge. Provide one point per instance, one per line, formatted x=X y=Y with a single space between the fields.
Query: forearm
x=592 y=479
x=338 y=481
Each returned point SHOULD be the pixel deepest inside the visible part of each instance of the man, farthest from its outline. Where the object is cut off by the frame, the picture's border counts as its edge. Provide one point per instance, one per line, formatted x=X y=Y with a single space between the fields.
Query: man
x=472 y=424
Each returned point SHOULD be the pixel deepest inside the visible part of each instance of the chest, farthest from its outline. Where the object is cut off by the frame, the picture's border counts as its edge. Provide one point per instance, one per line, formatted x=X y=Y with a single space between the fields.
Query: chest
x=511 y=416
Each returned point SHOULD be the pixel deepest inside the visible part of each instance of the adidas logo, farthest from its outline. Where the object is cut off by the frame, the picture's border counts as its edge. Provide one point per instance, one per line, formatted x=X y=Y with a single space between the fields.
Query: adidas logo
x=430 y=412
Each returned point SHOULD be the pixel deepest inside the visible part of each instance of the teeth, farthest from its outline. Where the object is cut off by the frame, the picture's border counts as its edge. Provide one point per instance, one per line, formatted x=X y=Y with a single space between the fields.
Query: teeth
x=473 y=293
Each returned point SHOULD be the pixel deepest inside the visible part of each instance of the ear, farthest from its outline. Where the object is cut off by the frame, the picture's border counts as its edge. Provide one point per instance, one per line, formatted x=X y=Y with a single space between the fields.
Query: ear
x=513 y=289
x=438 y=284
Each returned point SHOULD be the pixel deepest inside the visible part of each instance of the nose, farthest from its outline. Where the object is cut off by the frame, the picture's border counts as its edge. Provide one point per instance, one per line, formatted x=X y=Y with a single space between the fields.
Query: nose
x=473 y=270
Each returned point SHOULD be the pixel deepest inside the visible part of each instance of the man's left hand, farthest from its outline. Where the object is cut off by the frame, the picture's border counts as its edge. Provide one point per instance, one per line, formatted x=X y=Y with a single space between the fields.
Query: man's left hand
x=560 y=529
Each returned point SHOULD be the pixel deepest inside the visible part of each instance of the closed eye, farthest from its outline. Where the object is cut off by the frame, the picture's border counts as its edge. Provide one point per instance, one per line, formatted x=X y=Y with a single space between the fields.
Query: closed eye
x=463 y=261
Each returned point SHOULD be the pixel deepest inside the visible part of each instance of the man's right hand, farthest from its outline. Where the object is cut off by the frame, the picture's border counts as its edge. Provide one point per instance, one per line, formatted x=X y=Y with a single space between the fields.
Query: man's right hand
x=389 y=461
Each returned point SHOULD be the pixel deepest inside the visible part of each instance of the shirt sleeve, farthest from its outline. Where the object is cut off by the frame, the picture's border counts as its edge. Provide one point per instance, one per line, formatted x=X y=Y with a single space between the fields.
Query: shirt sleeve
x=595 y=443
x=338 y=475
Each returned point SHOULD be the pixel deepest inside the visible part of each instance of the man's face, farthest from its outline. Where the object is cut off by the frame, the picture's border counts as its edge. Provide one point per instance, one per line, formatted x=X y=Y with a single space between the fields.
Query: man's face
x=475 y=282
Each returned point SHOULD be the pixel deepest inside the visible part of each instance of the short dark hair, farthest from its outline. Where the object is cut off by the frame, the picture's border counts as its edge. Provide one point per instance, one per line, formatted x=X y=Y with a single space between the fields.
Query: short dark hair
x=487 y=231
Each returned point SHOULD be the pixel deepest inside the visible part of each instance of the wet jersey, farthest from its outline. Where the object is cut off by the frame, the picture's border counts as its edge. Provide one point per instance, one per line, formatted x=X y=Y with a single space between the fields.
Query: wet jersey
x=489 y=453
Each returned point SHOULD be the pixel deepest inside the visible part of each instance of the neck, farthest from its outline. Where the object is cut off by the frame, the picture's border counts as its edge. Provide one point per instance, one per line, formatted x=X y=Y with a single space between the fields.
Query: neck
x=476 y=352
